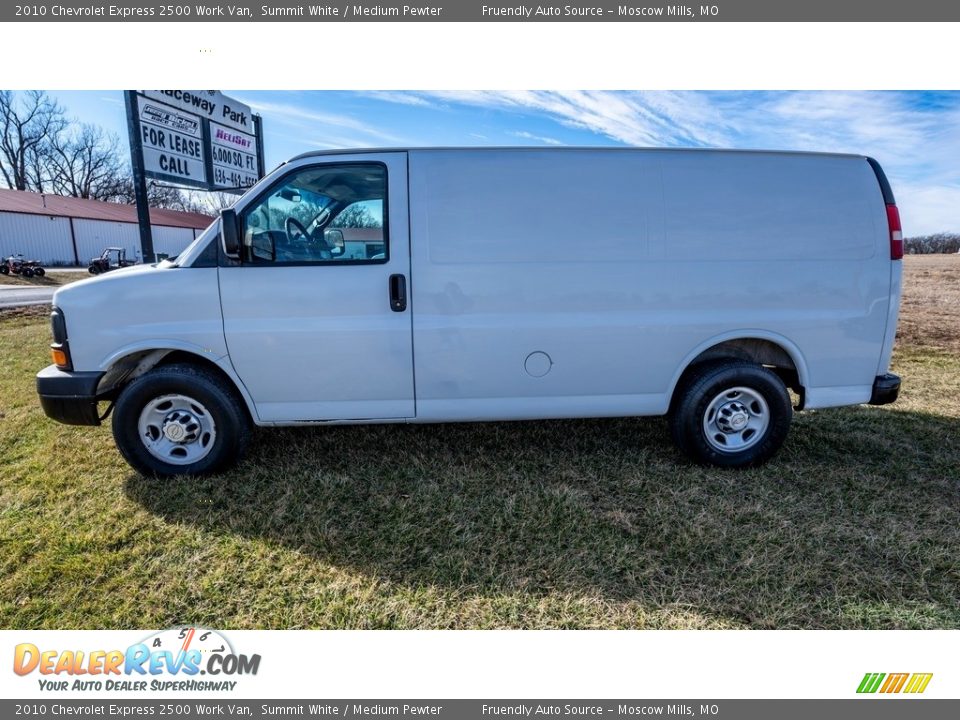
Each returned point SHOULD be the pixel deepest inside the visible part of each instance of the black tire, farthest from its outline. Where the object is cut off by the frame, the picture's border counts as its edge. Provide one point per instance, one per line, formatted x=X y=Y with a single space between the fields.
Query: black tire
x=39 y=272
x=4 y=269
x=27 y=272
x=703 y=386
x=93 y=270
x=217 y=396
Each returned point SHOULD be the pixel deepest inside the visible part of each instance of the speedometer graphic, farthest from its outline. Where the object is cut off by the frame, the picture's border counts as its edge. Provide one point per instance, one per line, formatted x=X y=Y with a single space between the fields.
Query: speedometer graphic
x=183 y=639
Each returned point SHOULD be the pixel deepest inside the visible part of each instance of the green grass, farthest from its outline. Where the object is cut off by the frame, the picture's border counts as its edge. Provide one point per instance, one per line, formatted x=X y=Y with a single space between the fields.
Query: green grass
x=563 y=524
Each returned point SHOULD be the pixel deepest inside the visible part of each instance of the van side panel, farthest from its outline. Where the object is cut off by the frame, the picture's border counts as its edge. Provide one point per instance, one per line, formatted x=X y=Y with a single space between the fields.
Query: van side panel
x=520 y=253
x=579 y=282
x=792 y=243
x=761 y=207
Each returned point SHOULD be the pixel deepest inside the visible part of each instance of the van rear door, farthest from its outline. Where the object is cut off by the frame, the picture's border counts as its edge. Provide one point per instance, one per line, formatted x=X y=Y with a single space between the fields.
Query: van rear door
x=315 y=316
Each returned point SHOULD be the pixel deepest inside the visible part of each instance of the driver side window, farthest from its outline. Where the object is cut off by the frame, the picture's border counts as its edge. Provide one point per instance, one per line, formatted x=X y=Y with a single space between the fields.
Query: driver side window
x=320 y=215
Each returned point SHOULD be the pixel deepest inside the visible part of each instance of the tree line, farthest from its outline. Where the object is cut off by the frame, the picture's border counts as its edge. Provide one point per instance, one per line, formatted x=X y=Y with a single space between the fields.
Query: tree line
x=928 y=244
x=43 y=150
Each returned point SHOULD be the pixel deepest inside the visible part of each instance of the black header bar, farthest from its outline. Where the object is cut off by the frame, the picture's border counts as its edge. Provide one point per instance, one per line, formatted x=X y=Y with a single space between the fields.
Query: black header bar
x=479 y=11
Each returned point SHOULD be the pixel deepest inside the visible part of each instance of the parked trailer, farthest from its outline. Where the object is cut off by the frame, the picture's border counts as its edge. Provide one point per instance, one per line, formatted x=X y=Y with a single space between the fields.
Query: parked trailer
x=512 y=284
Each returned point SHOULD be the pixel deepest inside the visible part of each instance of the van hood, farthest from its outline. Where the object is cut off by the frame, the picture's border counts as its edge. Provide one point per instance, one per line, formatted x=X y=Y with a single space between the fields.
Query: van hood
x=101 y=284
x=146 y=307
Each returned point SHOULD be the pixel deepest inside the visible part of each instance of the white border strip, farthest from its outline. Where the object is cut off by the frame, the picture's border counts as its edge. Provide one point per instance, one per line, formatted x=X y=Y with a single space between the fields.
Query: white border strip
x=547 y=664
x=501 y=56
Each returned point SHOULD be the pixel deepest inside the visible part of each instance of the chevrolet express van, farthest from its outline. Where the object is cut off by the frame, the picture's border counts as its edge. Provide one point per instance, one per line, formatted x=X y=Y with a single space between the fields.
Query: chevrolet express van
x=442 y=285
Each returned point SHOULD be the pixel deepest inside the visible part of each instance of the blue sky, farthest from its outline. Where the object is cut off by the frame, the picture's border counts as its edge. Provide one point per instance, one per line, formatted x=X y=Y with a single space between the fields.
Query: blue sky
x=914 y=135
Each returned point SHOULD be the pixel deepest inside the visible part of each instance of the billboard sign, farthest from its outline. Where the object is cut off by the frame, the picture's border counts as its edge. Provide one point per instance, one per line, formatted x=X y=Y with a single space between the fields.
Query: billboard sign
x=234 y=155
x=197 y=138
x=172 y=144
x=209 y=104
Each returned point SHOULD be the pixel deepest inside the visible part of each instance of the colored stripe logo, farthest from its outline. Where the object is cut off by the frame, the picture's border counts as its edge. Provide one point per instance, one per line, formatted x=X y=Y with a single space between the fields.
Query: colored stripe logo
x=913 y=683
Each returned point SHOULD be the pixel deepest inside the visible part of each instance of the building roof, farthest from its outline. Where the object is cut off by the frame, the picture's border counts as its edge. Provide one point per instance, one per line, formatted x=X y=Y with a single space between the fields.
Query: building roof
x=18 y=201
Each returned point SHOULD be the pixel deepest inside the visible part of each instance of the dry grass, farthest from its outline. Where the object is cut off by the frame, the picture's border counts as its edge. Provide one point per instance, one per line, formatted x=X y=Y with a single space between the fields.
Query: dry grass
x=11 y=314
x=572 y=524
x=52 y=277
x=930 y=313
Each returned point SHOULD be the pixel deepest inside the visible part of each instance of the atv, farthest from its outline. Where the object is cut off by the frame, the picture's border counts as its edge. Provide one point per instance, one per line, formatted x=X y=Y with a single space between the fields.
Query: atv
x=110 y=259
x=16 y=265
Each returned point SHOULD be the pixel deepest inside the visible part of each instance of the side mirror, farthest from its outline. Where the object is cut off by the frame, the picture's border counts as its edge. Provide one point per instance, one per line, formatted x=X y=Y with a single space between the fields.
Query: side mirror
x=263 y=247
x=230 y=233
x=334 y=240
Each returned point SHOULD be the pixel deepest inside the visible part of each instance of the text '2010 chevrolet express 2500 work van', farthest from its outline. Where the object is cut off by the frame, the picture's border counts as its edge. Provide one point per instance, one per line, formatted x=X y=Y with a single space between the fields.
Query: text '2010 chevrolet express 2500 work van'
x=437 y=285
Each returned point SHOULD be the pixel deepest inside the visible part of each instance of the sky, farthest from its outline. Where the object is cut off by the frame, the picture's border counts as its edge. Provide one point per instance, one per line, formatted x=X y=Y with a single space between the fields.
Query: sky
x=914 y=134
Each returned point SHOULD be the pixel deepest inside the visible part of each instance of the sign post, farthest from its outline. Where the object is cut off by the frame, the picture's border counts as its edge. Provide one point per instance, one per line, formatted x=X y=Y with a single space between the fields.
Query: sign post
x=194 y=138
x=139 y=177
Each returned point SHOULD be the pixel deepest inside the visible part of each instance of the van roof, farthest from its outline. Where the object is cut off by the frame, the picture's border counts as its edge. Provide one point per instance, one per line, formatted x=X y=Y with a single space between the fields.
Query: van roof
x=566 y=148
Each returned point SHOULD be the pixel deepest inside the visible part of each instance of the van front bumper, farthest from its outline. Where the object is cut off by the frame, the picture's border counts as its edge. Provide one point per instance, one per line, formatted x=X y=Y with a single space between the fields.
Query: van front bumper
x=886 y=388
x=69 y=397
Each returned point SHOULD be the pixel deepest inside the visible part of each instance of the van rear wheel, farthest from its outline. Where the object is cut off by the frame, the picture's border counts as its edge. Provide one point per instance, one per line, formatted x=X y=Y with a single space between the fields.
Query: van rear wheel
x=731 y=414
x=180 y=420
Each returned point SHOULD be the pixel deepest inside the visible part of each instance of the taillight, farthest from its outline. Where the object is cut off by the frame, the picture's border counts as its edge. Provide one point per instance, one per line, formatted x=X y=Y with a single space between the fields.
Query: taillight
x=896 y=233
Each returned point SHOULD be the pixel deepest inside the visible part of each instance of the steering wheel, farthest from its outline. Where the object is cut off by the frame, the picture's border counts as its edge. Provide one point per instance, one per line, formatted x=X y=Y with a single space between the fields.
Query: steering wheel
x=291 y=225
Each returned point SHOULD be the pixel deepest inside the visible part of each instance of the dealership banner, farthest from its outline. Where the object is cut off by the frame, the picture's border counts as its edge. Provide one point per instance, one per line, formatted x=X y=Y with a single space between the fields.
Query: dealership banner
x=676 y=670
x=480 y=11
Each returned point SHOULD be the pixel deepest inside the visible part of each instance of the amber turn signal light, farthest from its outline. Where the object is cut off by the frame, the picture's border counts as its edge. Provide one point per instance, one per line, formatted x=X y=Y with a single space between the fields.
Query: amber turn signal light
x=59 y=357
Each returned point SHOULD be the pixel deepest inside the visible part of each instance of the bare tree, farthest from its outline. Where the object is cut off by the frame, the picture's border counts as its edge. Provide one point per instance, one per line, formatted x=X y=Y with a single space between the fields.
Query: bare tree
x=937 y=243
x=41 y=150
x=356 y=216
x=158 y=196
x=27 y=122
x=84 y=163
x=207 y=203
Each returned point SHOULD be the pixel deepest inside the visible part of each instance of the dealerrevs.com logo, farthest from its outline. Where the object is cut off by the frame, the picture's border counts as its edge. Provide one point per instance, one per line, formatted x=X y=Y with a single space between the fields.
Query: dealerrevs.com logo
x=179 y=659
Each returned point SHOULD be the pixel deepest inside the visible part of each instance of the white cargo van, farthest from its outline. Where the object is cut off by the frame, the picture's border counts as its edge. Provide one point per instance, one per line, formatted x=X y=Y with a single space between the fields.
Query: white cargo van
x=498 y=284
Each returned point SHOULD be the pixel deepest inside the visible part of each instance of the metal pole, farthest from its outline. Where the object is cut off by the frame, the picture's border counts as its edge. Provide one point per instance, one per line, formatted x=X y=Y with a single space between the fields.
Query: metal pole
x=207 y=154
x=139 y=178
x=258 y=129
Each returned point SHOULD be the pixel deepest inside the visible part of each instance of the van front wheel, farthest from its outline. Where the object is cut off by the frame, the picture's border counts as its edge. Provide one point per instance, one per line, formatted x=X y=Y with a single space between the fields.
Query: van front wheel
x=180 y=420
x=731 y=414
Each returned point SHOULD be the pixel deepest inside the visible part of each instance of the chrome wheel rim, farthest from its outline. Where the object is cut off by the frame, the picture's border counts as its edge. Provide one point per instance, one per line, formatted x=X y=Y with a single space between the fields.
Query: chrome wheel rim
x=177 y=429
x=736 y=419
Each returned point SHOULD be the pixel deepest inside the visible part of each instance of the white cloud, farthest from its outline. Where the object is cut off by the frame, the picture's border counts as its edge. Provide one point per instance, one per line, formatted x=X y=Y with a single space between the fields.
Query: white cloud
x=338 y=142
x=313 y=122
x=646 y=119
x=400 y=98
x=925 y=210
x=523 y=134
x=918 y=145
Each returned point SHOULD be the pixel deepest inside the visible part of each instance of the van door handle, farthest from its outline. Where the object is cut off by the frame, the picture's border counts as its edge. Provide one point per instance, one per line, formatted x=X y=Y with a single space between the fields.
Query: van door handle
x=398 y=293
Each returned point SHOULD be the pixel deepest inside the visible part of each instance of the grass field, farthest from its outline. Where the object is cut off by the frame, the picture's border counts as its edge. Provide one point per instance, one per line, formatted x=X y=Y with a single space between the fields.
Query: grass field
x=566 y=524
x=52 y=277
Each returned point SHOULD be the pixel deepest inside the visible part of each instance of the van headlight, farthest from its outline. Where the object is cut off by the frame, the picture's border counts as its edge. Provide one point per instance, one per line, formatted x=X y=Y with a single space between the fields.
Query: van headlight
x=59 y=348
